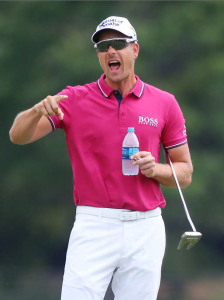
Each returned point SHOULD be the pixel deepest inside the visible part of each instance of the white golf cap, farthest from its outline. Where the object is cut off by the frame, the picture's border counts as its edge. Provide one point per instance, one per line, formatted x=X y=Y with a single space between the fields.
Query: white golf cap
x=116 y=23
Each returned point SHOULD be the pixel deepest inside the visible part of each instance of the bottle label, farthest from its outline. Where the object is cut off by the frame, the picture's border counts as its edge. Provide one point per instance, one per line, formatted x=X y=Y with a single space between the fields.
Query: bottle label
x=127 y=152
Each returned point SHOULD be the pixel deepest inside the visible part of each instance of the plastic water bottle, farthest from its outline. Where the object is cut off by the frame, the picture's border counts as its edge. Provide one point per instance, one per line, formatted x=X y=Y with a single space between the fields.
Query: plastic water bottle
x=129 y=147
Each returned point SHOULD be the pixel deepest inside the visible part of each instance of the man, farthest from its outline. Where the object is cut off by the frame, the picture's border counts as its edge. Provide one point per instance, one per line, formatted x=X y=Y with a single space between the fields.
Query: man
x=119 y=231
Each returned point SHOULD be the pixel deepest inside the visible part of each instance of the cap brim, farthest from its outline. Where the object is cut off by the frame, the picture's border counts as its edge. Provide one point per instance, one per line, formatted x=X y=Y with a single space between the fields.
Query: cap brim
x=95 y=36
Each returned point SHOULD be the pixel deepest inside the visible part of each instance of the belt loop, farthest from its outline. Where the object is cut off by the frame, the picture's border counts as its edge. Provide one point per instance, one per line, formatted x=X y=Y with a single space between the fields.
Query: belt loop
x=121 y=216
x=138 y=214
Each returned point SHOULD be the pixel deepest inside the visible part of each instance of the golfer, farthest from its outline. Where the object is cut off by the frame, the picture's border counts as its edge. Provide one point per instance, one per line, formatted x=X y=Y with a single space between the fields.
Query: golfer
x=119 y=232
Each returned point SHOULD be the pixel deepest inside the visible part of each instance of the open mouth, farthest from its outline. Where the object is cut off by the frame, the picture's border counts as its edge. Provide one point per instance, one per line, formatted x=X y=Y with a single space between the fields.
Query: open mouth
x=114 y=65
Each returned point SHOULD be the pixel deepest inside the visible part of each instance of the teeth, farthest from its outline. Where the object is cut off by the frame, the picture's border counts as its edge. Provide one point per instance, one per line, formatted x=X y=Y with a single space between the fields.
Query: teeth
x=114 y=62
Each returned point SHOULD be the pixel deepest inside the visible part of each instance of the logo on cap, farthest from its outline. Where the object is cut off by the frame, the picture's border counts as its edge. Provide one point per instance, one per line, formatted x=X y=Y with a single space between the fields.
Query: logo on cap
x=110 y=22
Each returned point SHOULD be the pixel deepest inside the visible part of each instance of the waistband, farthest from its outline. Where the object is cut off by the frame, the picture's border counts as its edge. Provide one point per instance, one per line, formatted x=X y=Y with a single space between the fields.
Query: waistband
x=120 y=214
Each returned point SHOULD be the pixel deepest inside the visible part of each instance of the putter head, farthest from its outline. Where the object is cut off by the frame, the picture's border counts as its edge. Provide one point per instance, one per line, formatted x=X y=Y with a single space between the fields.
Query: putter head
x=190 y=238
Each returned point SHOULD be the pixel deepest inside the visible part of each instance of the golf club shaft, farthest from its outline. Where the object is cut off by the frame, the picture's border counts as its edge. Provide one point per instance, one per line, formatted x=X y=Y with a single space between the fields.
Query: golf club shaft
x=181 y=195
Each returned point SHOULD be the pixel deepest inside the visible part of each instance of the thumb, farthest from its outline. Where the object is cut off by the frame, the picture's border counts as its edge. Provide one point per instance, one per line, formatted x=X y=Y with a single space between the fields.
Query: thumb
x=60 y=114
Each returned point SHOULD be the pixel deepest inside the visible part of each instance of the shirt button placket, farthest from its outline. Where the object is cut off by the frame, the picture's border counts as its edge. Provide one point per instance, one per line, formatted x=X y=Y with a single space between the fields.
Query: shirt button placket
x=122 y=116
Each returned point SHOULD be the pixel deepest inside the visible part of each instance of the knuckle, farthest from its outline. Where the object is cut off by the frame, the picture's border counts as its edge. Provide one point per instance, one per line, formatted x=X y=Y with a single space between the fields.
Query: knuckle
x=36 y=106
x=41 y=106
x=48 y=97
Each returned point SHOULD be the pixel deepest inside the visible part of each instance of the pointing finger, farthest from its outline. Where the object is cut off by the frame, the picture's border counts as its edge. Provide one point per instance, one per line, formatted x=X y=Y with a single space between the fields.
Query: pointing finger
x=60 y=97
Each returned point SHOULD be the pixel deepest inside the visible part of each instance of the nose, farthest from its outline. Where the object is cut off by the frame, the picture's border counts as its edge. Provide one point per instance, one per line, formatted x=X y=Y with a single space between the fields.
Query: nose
x=111 y=49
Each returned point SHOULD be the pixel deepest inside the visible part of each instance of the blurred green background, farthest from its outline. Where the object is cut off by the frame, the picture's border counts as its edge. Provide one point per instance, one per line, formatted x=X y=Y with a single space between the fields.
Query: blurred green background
x=44 y=47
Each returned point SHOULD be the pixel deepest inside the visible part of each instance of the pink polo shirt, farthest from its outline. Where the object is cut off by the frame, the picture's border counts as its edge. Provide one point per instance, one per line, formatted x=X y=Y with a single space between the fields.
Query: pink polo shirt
x=95 y=126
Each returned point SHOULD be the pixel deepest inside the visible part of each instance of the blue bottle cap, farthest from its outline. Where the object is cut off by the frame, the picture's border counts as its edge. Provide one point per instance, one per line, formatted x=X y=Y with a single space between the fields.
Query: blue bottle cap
x=131 y=129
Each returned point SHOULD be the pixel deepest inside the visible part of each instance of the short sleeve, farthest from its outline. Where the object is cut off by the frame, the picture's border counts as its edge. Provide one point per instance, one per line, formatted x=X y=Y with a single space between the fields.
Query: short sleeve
x=64 y=105
x=174 y=132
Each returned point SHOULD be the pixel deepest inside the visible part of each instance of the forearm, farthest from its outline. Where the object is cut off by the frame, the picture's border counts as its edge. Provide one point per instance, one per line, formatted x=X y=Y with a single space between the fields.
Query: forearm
x=163 y=174
x=24 y=126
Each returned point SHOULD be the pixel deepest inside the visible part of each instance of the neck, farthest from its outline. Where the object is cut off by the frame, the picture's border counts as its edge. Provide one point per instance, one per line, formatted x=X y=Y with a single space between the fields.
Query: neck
x=124 y=86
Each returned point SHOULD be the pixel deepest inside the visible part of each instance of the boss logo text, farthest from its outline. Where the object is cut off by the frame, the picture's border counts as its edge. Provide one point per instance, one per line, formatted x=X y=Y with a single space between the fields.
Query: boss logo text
x=148 y=121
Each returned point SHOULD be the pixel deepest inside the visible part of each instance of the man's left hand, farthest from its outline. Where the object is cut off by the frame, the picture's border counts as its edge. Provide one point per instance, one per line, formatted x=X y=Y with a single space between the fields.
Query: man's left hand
x=146 y=162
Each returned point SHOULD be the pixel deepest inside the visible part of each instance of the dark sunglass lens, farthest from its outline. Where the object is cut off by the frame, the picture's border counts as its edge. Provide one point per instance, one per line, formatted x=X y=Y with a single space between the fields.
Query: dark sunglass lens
x=103 y=46
x=116 y=44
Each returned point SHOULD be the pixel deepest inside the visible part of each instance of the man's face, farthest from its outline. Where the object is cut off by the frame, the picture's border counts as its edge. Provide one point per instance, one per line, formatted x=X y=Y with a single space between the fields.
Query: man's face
x=117 y=64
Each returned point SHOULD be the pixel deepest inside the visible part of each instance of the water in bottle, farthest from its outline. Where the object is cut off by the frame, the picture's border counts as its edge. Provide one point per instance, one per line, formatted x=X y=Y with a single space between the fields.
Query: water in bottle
x=129 y=147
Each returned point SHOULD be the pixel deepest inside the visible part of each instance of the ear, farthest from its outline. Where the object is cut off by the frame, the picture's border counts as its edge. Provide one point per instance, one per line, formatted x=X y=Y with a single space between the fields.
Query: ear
x=135 y=50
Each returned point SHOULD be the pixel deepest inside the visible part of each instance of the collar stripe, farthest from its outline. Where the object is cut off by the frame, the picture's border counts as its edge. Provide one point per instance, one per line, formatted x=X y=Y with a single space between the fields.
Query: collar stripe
x=143 y=86
x=105 y=95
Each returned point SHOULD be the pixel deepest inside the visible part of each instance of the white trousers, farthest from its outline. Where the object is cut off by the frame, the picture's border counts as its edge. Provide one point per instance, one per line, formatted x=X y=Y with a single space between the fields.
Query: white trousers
x=101 y=248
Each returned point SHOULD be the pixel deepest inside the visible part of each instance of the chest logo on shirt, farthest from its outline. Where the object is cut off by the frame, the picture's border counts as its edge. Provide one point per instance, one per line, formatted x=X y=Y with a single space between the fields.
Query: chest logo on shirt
x=147 y=121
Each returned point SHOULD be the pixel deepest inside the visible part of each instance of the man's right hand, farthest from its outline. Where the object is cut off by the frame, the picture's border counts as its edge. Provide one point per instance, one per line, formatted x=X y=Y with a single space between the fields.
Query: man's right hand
x=49 y=106
x=30 y=125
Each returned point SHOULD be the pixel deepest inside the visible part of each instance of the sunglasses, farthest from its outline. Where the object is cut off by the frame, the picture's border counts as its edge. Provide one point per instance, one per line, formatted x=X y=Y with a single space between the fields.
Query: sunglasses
x=117 y=44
